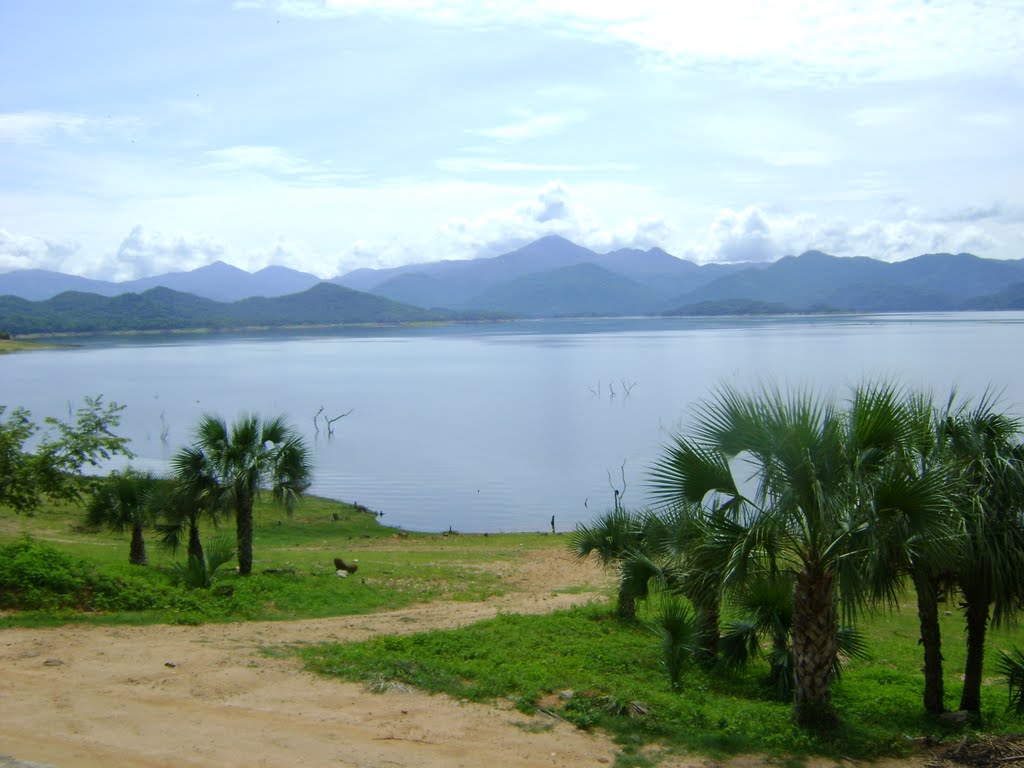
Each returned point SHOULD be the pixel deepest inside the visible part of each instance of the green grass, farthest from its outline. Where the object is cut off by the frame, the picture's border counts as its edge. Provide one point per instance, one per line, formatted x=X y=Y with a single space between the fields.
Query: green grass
x=16 y=345
x=610 y=664
x=395 y=568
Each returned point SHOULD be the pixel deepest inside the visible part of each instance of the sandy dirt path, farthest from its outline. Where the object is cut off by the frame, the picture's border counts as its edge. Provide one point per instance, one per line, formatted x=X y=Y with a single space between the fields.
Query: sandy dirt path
x=206 y=696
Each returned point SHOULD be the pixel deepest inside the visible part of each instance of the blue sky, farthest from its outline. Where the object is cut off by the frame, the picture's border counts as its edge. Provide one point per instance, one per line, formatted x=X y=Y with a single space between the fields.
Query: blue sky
x=138 y=138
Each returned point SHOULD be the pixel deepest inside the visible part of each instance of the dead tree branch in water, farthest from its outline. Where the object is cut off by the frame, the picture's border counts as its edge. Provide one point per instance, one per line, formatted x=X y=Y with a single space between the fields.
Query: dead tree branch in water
x=330 y=422
x=618 y=494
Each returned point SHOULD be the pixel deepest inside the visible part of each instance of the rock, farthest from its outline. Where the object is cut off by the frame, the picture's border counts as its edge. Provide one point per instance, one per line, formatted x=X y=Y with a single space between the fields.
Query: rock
x=170 y=664
x=957 y=719
x=52 y=663
x=343 y=574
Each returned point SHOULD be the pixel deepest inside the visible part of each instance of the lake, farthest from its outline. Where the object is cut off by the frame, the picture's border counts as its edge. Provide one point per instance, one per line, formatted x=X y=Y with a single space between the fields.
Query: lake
x=497 y=427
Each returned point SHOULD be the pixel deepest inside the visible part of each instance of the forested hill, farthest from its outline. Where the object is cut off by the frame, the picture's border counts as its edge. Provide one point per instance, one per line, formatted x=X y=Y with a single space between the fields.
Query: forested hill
x=162 y=309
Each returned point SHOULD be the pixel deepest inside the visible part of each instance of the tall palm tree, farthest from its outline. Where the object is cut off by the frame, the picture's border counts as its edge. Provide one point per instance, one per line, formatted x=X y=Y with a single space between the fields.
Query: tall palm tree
x=990 y=572
x=803 y=509
x=228 y=467
x=925 y=550
x=122 y=502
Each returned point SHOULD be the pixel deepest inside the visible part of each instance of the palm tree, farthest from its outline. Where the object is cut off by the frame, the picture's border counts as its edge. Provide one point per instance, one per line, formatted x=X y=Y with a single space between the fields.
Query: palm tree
x=814 y=473
x=616 y=538
x=766 y=603
x=688 y=544
x=122 y=502
x=923 y=549
x=183 y=501
x=230 y=466
x=990 y=571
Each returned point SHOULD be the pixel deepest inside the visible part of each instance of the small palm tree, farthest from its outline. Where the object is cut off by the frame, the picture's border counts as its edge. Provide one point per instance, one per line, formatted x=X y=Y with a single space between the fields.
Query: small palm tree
x=123 y=502
x=613 y=538
x=767 y=605
x=229 y=467
x=198 y=571
x=182 y=502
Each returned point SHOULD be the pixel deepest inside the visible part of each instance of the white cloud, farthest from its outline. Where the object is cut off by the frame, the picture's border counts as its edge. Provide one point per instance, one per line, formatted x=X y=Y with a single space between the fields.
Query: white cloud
x=754 y=234
x=551 y=209
x=489 y=165
x=150 y=252
x=22 y=252
x=40 y=127
x=271 y=161
x=34 y=127
x=530 y=127
x=877 y=40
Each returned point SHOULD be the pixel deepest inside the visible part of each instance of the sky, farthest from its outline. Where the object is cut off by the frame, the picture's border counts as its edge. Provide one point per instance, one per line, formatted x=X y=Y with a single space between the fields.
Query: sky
x=138 y=138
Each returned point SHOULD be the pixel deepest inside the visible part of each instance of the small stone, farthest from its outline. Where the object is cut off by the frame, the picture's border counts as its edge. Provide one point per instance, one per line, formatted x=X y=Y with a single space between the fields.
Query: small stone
x=603 y=760
x=52 y=663
x=170 y=664
x=566 y=695
x=343 y=574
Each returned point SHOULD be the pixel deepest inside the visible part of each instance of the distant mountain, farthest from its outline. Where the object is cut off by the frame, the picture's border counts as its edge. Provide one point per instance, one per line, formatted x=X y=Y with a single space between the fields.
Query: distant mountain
x=1010 y=298
x=729 y=307
x=573 y=291
x=217 y=281
x=163 y=309
x=553 y=276
x=38 y=284
x=925 y=283
x=459 y=283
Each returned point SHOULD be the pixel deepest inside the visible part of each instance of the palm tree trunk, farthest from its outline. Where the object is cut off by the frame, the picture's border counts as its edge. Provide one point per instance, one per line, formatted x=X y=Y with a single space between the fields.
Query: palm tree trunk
x=626 y=608
x=931 y=641
x=976 y=608
x=195 y=544
x=815 y=645
x=243 y=530
x=137 y=550
x=708 y=629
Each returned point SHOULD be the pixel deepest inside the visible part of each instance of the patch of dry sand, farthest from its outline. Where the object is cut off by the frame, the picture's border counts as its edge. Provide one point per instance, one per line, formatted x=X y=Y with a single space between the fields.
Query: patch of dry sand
x=205 y=696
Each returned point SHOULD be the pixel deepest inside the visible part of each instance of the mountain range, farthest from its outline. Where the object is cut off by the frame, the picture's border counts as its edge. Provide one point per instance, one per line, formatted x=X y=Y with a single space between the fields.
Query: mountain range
x=550 y=277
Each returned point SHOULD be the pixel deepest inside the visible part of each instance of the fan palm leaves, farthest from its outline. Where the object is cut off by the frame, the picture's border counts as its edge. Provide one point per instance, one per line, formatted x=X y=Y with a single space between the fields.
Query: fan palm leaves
x=123 y=502
x=228 y=467
x=612 y=538
x=989 y=455
x=792 y=486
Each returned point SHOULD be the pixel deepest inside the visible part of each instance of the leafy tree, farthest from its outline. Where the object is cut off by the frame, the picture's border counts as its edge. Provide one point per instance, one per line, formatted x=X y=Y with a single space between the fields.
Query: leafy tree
x=123 y=502
x=233 y=464
x=51 y=470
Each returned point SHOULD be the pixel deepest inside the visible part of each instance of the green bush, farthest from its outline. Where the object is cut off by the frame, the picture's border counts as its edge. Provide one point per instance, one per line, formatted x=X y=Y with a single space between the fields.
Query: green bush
x=36 y=576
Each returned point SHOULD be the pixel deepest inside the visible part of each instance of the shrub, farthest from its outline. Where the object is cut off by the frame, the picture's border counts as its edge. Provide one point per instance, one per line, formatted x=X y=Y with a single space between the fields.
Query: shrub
x=34 y=575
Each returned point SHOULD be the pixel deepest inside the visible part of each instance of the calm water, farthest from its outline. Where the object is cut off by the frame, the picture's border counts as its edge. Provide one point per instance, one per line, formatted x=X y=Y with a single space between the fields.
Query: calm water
x=498 y=427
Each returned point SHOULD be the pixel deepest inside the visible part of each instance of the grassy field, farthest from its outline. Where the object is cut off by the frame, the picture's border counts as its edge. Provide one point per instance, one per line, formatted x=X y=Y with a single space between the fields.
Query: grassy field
x=581 y=665
x=396 y=568
x=614 y=672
